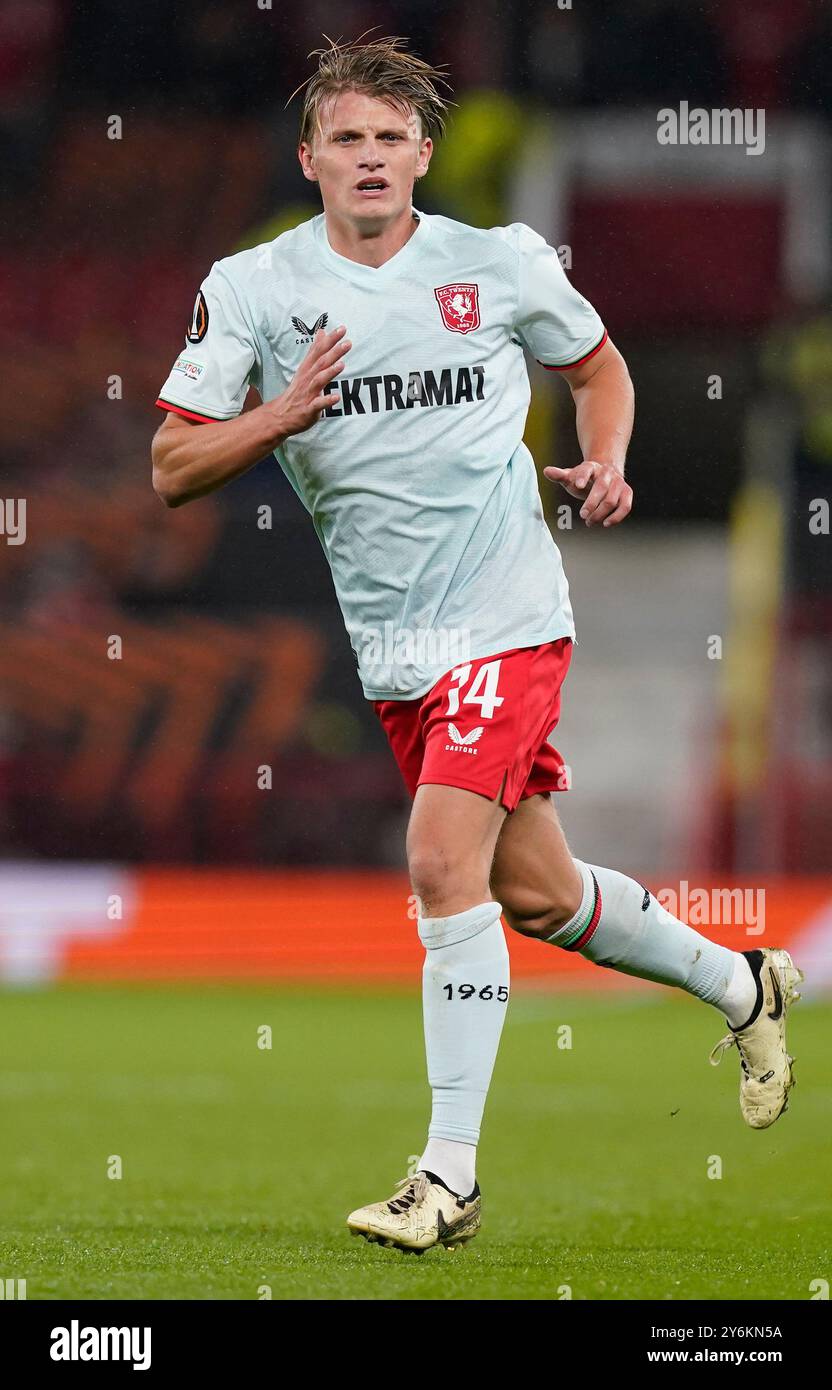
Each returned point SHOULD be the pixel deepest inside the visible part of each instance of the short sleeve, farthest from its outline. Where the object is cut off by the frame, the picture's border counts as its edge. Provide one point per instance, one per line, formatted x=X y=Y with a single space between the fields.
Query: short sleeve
x=210 y=378
x=558 y=326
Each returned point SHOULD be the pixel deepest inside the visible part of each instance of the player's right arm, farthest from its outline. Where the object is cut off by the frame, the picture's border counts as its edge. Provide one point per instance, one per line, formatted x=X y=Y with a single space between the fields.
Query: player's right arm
x=194 y=457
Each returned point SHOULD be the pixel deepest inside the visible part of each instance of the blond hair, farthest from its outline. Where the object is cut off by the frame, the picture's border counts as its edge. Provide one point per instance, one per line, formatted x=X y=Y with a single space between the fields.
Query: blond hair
x=383 y=69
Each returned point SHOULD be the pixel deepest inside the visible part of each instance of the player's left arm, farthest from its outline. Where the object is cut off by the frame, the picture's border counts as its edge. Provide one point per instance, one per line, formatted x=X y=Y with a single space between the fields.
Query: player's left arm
x=604 y=405
x=564 y=332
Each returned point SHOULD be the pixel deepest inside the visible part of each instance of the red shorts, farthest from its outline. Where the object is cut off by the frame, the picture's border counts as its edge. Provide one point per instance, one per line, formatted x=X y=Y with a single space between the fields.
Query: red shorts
x=482 y=720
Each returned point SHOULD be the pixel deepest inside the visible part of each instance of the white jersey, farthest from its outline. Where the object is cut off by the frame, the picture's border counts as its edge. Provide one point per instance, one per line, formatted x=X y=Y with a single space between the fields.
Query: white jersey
x=423 y=495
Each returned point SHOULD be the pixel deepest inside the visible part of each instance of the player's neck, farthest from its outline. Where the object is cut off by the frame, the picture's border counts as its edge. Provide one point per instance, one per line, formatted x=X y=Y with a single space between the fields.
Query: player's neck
x=370 y=249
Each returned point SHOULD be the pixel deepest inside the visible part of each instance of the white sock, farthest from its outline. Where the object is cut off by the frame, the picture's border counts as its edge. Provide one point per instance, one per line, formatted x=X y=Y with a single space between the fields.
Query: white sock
x=454 y=1163
x=465 y=982
x=740 y=999
x=621 y=925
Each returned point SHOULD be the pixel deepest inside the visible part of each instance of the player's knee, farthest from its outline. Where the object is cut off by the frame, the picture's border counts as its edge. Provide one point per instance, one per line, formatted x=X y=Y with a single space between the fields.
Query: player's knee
x=536 y=918
x=431 y=871
x=437 y=873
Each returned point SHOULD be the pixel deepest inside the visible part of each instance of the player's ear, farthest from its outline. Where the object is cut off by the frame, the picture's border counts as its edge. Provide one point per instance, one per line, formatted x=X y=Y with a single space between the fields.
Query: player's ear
x=425 y=152
x=307 y=162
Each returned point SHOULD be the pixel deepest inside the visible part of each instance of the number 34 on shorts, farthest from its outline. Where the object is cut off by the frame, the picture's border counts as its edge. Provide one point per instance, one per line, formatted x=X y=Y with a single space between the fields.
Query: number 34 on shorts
x=484 y=721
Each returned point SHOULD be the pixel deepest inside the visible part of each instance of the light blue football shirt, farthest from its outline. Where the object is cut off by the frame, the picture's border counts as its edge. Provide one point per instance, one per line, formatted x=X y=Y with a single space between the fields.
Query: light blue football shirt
x=422 y=493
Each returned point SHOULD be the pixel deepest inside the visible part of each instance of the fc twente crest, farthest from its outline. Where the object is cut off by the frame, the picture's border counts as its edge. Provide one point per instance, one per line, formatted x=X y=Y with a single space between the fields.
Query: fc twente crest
x=459 y=306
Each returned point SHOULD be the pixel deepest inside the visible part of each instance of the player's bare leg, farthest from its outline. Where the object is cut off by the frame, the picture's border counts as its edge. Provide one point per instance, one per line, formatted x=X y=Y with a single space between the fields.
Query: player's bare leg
x=451 y=839
x=614 y=921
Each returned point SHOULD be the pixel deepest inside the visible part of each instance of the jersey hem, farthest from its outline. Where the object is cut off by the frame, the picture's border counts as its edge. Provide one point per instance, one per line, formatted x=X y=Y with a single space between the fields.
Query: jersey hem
x=423 y=689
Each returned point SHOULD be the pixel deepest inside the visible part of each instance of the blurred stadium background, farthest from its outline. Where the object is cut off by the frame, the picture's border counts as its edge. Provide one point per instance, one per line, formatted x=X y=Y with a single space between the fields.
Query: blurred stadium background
x=148 y=877
x=687 y=760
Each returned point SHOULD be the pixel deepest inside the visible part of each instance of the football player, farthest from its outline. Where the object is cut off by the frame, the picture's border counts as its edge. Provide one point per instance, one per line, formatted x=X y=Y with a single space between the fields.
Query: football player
x=387 y=346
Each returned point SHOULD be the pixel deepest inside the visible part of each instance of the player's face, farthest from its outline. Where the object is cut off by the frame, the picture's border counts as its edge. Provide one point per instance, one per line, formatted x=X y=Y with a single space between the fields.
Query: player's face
x=366 y=156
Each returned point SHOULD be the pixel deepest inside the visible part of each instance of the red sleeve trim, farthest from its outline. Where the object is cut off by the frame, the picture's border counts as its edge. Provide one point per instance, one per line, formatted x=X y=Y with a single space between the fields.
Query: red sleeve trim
x=188 y=414
x=568 y=365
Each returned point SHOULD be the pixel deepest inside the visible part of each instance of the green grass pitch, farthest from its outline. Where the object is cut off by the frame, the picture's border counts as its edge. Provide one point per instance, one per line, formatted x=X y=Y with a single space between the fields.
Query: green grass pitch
x=240 y=1163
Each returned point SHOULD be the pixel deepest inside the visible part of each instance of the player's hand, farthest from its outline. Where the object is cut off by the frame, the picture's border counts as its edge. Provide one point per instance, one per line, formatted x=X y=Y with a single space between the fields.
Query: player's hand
x=307 y=395
x=607 y=498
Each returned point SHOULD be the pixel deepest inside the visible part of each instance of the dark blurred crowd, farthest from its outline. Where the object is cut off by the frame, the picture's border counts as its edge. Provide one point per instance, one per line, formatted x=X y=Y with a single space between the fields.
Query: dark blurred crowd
x=234 y=651
x=244 y=57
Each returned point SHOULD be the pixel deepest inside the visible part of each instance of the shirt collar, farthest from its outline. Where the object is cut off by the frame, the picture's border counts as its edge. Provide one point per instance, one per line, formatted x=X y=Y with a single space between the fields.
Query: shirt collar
x=369 y=274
